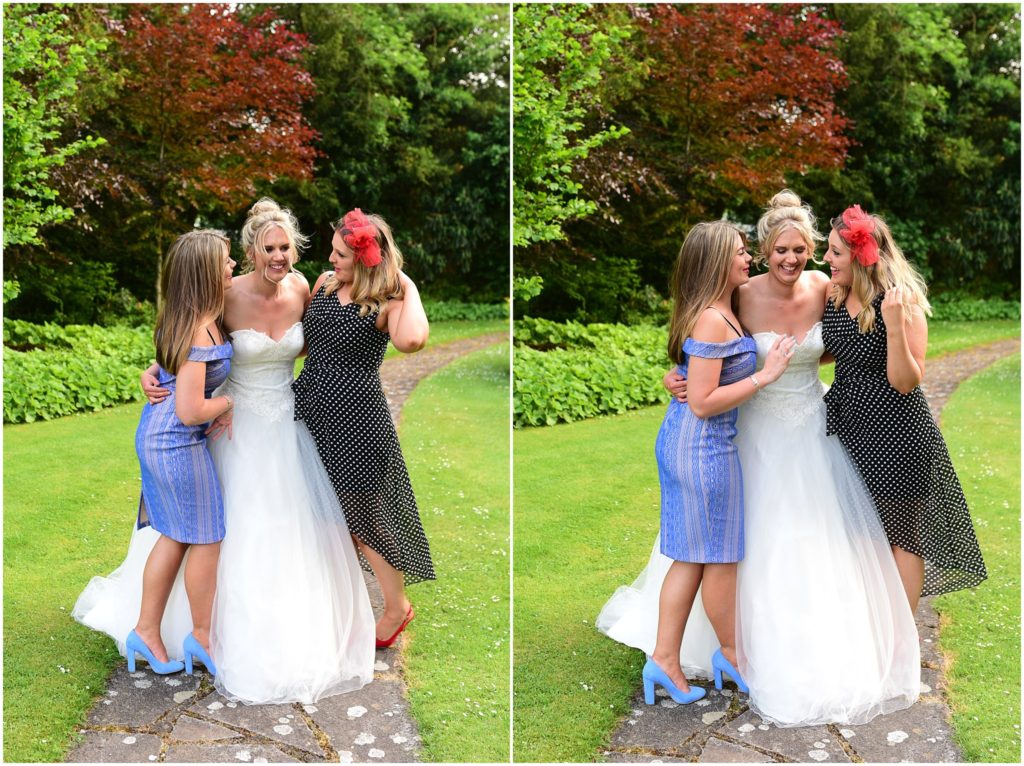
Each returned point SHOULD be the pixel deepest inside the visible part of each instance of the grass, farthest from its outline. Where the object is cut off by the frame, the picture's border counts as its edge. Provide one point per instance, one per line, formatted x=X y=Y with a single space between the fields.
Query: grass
x=981 y=627
x=455 y=438
x=70 y=490
x=586 y=513
x=446 y=332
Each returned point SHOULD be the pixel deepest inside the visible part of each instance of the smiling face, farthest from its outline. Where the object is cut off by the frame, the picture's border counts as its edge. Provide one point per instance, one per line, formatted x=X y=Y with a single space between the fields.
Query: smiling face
x=739 y=272
x=788 y=257
x=229 y=266
x=840 y=260
x=273 y=256
x=342 y=259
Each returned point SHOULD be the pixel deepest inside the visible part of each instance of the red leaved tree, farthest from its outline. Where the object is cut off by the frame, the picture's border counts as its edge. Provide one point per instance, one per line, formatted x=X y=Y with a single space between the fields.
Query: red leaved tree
x=212 y=104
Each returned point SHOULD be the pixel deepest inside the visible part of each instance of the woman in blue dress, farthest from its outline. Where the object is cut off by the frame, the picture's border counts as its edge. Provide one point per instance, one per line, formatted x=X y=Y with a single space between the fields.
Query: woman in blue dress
x=180 y=493
x=699 y=471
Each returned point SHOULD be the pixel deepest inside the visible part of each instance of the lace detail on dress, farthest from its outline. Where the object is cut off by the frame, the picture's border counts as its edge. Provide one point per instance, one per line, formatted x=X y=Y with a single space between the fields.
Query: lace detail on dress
x=262 y=375
x=797 y=395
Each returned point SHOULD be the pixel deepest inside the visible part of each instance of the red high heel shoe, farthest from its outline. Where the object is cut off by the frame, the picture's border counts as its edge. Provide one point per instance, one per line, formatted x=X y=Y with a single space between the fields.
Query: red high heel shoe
x=385 y=643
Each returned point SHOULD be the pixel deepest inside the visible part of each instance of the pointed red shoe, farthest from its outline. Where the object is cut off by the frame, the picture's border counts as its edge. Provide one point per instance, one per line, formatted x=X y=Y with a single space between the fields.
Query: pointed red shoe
x=385 y=643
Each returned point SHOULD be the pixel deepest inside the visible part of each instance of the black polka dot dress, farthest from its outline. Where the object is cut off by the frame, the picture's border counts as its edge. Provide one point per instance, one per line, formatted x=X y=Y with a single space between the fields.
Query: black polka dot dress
x=899 y=451
x=340 y=397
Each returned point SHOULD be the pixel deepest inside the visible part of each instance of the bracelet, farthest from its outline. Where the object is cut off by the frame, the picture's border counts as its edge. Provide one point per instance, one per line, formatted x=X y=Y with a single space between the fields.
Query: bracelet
x=753 y=379
x=231 y=402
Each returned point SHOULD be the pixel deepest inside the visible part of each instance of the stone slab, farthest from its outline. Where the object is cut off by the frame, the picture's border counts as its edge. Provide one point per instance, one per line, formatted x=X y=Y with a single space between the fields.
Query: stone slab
x=666 y=727
x=189 y=729
x=719 y=751
x=919 y=734
x=115 y=747
x=371 y=725
x=283 y=723
x=135 y=700
x=612 y=756
x=804 y=744
x=243 y=753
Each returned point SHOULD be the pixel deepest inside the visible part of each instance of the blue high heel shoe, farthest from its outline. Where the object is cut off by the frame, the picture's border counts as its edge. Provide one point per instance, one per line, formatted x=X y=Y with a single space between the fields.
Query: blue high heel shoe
x=720 y=664
x=134 y=644
x=655 y=675
x=194 y=649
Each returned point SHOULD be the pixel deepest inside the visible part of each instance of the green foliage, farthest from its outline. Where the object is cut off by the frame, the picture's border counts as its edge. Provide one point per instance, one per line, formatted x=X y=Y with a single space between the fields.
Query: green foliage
x=561 y=55
x=44 y=60
x=525 y=289
x=447 y=311
x=956 y=306
x=50 y=371
x=12 y=289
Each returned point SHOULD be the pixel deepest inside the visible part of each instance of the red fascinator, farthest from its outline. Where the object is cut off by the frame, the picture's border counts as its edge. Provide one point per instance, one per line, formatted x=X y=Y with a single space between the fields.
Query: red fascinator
x=361 y=236
x=859 y=234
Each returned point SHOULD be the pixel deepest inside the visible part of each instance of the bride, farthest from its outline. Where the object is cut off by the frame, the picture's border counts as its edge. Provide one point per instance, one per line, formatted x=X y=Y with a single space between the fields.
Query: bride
x=292 y=620
x=824 y=632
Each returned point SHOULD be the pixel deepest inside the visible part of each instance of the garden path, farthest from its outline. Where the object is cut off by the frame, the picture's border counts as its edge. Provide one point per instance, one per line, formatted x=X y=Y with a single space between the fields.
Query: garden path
x=721 y=729
x=182 y=719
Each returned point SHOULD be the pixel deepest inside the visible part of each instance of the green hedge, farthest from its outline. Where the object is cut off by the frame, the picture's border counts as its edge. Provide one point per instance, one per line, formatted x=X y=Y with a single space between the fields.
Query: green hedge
x=447 y=311
x=570 y=371
x=959 y=307
x=50 y=371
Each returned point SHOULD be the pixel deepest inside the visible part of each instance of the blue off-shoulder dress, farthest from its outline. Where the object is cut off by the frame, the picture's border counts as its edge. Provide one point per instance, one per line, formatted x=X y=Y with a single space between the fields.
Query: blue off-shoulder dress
x=699 y=469
x=180 y=491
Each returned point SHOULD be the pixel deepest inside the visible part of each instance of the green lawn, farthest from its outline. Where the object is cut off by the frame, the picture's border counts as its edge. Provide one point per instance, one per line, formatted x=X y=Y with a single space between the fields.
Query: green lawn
x=70 y=489
x=586 y=513
x=981 y=627
x=455 y=436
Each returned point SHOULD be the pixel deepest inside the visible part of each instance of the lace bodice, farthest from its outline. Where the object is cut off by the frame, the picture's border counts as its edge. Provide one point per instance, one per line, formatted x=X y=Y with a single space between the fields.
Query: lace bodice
x=262 y=371
x=797 y=394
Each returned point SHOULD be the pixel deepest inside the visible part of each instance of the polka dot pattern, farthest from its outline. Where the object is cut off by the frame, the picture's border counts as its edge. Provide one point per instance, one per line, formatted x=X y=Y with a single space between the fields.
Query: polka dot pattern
x=340 y=397
x=899 y=451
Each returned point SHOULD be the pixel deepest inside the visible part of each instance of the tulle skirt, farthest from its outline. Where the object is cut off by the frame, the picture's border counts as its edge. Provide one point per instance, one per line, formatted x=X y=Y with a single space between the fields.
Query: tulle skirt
x=824 y=630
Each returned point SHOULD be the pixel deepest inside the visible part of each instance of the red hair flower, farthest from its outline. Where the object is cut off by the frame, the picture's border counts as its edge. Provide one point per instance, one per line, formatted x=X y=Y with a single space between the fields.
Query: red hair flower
x=361 y=236
x=859 y=234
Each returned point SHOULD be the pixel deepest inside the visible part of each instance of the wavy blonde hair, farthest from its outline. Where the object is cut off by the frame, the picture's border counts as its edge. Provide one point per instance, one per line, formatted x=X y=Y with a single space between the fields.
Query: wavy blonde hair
x=891 y=270
x=192 y=283
x=786 y=211
x=373 y=286
x=700 y=276
x=263 y=216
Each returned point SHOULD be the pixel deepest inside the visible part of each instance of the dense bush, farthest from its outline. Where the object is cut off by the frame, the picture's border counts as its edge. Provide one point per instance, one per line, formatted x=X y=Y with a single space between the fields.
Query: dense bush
x=447 y=311
x=567 y=372
x=953 y=306
x=51 y=371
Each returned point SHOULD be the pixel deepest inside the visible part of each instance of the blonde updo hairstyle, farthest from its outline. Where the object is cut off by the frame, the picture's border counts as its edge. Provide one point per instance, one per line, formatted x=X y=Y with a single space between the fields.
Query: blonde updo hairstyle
x=192 y=285
x=891 y=270
x=373 y=286
x=263 y=216
x=785 y=211
x=700 y=276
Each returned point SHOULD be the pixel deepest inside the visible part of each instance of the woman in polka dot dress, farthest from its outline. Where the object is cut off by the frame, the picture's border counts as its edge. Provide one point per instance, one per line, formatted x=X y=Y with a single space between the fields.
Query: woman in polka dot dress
x=875 y=327
x=352 y=314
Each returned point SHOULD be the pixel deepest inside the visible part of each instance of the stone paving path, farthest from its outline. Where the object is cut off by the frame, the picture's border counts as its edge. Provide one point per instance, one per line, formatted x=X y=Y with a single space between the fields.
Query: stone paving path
x=144 y=717
x=721 y=729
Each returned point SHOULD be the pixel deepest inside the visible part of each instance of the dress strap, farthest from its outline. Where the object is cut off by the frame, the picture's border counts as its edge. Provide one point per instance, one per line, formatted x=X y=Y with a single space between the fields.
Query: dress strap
x=214 y=340
x=738 y=333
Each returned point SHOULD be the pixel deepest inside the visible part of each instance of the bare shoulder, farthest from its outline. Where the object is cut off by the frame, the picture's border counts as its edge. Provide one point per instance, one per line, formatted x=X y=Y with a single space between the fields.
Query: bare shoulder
x=201 y=337
x=298 y=283
x=320 y=280
x=710 y=327
x=816 y=279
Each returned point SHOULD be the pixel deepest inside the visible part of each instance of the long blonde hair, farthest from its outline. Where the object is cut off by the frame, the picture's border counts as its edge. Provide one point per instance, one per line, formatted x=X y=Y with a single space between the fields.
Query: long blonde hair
x=699 y=278
x=891 y=270
x=264 y=215
x=785 y=211
x=373 y=286
x=192 y=283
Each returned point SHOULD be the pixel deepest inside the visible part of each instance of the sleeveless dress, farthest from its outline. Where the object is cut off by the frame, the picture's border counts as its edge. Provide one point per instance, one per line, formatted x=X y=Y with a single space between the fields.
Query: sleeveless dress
x=292 y=620
x=901 y=454
x=340 y=397
x=180 y=495
x=698 y=468
x=824 y=633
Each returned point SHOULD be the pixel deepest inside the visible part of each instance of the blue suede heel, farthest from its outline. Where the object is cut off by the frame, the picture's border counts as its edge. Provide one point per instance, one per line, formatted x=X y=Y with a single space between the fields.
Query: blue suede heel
x=655 y=675
x=135 y=644
x=194 y=649
x=720 y=664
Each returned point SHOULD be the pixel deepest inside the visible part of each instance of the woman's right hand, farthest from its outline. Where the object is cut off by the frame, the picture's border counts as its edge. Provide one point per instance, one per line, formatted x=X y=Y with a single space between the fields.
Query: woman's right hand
x=151 y=388
x=777 y=360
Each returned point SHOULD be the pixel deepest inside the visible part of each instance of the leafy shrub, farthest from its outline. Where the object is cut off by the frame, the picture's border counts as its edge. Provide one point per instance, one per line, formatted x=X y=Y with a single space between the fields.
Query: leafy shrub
x=50 y=371
x=446 y=311
x=955 y=306
x=571 y=371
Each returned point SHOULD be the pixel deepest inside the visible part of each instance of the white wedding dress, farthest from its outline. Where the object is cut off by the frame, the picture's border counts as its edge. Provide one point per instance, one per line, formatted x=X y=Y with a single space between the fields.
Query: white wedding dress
x=824 y=630
x=292 y=620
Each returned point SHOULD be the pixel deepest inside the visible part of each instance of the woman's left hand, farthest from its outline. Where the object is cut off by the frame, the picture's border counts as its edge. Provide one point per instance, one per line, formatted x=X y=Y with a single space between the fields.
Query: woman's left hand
x=220 y=424
x=892 y=307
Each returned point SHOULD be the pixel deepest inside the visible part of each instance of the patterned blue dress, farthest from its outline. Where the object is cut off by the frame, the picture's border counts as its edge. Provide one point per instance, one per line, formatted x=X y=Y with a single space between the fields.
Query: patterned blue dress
x=180 y=492
x=699 y=469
